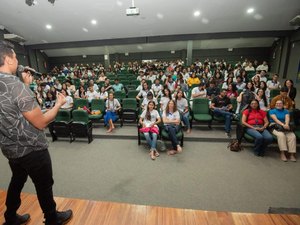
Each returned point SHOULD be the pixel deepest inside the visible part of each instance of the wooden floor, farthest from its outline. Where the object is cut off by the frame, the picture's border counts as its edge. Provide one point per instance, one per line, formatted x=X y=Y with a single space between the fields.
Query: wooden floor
x=108 y=213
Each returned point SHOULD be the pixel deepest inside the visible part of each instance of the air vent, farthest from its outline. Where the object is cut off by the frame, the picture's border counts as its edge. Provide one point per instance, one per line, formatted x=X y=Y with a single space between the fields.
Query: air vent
x=14 y=37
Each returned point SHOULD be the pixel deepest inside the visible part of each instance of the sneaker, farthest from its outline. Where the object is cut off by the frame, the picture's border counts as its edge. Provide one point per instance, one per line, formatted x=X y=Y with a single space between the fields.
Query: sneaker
x=228 y=135
x=62 y=218
x=21 y=219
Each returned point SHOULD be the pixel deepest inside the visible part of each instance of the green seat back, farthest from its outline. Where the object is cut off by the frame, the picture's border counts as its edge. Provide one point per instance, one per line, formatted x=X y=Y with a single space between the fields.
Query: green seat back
x=200 y=106
x=129 y=103
x=80 y=115
x=63 y=116
x=81 y=102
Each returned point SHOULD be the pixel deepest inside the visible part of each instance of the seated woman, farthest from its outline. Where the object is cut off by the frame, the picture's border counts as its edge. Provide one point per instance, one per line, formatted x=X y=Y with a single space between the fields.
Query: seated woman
x=171 y=119
x=260 y=96
x=69 y=100
x=147 y=100
x=80 y=93
x=183 y=108
x=255 y=120
x=285 y=137
x=149 y=120
x=112 y=106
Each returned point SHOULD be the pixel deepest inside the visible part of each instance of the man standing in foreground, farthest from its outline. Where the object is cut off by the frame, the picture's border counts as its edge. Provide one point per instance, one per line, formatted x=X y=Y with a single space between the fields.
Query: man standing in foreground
x=23 y=142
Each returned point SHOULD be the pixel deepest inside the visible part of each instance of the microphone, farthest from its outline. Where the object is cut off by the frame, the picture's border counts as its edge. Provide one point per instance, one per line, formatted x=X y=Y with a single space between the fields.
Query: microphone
x=26 y=69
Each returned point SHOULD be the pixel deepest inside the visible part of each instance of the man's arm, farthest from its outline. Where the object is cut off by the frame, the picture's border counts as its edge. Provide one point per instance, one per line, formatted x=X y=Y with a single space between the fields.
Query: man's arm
x=40 y=120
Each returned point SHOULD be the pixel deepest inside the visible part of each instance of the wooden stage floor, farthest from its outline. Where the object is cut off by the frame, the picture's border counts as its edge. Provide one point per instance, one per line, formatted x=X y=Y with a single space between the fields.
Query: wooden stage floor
x=109 y=213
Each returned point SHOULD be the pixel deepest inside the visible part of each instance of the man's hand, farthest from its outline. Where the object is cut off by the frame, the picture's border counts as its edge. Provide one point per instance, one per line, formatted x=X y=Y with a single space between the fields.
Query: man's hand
x=60 y=99
x=27 y=77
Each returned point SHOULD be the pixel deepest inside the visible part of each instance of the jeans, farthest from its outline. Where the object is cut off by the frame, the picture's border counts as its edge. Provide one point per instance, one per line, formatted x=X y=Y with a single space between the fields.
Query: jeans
x=172 y=130
x=262 y=140
x=227 y=115
x=185 y=119
x=37 y=165
x=151 y=139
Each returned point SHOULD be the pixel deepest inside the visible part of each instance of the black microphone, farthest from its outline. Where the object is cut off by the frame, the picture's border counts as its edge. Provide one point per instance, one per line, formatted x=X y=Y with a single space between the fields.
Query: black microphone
x=26 y=69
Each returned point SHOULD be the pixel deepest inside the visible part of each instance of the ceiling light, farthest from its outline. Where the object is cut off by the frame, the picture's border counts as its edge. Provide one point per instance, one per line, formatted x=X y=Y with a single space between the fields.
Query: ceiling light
x=197 y=13
x=48 y=26
x=250 y=10
x=160 y=16
x=94 y=22
x=119 y=3
x=85 y=30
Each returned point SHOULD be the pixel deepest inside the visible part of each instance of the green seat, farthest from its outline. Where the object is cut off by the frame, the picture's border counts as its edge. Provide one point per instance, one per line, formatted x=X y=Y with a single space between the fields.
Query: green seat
x=120 y=95
x=165 y=136
x=129 y=110
x=81 y=125
x=97 y=104
x=81 y=102
x=200 y=111
x=61 y=126
x=132 y=93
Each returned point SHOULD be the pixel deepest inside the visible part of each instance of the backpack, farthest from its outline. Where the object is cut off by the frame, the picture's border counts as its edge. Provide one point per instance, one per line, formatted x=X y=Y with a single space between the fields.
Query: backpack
x=234 y=145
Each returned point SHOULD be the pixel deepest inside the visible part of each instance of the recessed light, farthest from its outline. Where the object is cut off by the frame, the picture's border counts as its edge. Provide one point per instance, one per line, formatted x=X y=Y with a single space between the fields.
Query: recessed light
x=197 y=13
x=250 y=10
x=48 y=26
x=119 y=3
x=85 y=30
x=160 y=16
x=94 y=22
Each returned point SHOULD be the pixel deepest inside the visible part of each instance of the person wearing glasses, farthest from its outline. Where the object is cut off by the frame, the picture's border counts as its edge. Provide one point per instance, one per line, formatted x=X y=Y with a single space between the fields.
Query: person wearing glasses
x=280 y=120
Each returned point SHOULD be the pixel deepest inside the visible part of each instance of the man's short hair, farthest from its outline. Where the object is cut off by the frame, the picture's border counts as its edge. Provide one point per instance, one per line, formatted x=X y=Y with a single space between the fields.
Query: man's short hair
x=6 y=49
x=284 y=89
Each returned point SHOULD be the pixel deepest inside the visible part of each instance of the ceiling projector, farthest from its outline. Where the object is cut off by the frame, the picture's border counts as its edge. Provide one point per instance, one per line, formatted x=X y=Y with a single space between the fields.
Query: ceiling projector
x=133 y=11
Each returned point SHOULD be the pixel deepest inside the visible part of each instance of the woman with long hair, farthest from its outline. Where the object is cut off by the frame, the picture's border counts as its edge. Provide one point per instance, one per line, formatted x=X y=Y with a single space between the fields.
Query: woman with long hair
x=183 y=108
x=149 y=120
x=171 y=119
x=262 y=99
x=112 y=107
x=292 y=91
x=256 y=122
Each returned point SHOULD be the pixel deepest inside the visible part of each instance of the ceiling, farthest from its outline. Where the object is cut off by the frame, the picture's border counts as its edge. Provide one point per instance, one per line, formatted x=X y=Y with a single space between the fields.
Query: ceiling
x=71 y=22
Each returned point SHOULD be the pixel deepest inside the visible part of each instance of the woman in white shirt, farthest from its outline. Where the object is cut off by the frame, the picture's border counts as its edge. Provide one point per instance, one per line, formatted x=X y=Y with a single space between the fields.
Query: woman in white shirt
x=112 y=106
x=183 y=108
x=69 y=100
x=149 y=120
x=165 y=99
x=171 y=119
x=103 y=94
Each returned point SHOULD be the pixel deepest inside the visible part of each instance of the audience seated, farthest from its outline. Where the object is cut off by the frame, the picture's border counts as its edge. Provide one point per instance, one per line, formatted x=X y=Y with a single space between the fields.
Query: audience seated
x=292 y=91
x=69 y=100
x=274 y=83
x=183 y=108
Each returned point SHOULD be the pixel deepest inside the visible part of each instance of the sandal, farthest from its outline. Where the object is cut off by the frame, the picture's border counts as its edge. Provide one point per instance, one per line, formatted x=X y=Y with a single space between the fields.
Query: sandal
x=152 y=155
x=156 y=153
